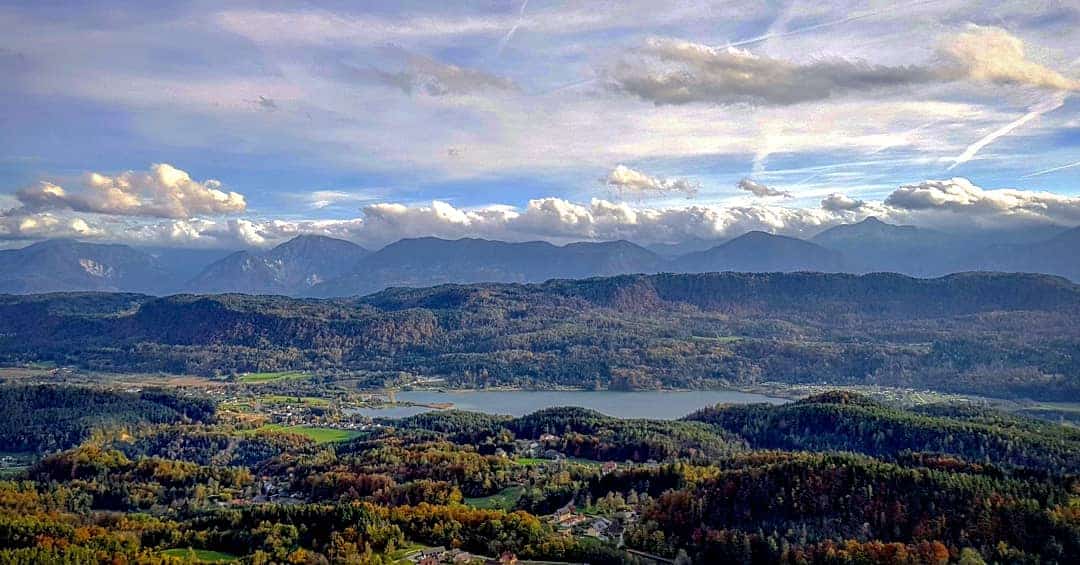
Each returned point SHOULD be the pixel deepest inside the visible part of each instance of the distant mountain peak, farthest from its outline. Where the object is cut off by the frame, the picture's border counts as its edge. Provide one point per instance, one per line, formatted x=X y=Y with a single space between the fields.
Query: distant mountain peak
x=290 y=268
x=760 y=251
x=67 y=264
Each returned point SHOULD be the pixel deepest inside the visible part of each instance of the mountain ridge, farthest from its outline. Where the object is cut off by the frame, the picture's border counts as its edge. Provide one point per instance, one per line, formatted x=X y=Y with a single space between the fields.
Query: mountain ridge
x=319 y=266
x=289 y=268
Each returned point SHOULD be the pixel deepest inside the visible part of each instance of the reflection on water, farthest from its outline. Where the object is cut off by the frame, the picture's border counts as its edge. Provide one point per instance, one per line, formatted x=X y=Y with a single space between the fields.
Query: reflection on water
x=658 y=405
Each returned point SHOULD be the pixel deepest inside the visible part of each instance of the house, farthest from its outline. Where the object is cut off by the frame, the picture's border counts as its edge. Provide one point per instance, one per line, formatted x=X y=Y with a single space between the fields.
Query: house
x=552 y=454
x=548 y=437
x=608 y=467
x=506 y=558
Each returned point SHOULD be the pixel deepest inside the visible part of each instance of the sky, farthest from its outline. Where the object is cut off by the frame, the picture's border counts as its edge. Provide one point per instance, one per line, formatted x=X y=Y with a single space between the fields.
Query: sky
x=243 y=124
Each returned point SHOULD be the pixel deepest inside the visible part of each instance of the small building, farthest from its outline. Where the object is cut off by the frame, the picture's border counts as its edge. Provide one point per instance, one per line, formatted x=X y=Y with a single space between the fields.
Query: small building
x=507 y=558
x=429 y=556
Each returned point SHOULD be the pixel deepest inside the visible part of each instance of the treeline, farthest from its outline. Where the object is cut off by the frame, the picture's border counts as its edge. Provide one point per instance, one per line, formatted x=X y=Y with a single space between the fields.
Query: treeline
x=841 y=421
x=796 y=504
x=47 y=418
x=1007 y=335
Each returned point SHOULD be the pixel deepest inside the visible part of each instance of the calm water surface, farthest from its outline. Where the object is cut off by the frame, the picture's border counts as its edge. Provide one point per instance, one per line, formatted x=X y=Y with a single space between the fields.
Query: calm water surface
x=657 y=405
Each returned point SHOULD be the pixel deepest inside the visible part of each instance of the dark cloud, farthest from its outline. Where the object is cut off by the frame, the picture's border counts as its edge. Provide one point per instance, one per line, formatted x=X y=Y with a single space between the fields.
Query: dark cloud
x=672 y=71
x=837 y=202
x=760 y=190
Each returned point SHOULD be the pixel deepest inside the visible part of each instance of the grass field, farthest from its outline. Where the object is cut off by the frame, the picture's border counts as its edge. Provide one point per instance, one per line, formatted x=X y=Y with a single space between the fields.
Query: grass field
x=320 y=435
x=531 y=461
x=586 y=462
x=201 y=555
x=257 y=378
x=399 y=556
x=284 y=399
x=502 y=500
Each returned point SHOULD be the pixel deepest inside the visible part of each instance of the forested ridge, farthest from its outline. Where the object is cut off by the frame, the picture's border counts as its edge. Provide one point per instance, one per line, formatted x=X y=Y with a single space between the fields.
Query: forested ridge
x=847 y=422
x=1005 y=335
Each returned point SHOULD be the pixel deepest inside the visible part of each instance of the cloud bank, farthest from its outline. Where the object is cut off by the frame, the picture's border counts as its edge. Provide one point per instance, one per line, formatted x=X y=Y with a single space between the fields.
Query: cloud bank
x=960 y=196
x=948 y=203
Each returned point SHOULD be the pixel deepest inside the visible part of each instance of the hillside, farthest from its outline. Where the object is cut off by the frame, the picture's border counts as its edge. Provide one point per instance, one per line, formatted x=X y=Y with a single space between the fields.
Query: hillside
x=1059 y=255
x=957 y=333
x=66 y=265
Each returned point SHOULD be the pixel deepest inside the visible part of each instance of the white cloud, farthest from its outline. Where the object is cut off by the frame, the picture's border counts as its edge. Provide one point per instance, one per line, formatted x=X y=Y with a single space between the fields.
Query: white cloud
x=760 y=190
x=322 y=199
x=623 y=179
x=959 y=196
x=47 y=225
x=991 y=54
x=164 y=191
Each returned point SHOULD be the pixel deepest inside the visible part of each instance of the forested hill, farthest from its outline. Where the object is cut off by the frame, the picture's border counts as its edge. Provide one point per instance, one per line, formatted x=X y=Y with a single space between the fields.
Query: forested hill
x=956 y=333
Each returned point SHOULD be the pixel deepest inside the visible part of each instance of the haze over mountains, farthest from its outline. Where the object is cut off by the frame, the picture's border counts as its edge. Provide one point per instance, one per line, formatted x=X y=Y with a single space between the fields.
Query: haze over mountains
x=326 y=267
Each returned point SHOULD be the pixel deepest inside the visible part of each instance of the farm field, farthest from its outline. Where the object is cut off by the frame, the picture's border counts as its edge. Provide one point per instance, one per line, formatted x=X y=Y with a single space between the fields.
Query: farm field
x=273 y=376
x=505 y=499
x=320 y=435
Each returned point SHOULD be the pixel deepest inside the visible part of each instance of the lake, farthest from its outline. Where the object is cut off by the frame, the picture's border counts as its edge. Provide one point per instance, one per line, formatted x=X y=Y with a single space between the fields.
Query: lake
x=657 y=405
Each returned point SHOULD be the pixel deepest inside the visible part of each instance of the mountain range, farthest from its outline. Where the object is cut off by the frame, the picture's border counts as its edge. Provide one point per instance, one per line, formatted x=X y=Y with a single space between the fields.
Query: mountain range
x=318 y=266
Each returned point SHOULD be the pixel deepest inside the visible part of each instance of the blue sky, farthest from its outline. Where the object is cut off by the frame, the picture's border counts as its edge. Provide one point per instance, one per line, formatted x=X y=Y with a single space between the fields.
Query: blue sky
x=245 y=123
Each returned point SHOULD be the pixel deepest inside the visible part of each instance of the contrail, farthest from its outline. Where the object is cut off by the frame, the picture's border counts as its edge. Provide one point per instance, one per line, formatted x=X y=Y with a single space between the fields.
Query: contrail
x=880 y=148
x=831 y=23
x=1051 y=170
x=510 y=34
x=566 y=86
x=1048 y=105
